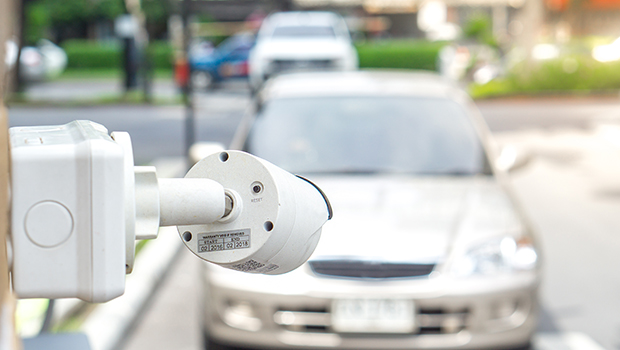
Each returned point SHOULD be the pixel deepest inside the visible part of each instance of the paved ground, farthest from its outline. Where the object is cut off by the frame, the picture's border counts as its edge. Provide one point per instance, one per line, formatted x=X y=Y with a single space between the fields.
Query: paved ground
x=171 y=321
x=156 y=131
x=549 y=114
x=571 y=191
x=80 y=90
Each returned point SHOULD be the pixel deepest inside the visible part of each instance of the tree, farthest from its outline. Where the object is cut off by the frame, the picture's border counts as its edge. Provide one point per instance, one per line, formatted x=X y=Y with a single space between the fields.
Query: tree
x=67 y=17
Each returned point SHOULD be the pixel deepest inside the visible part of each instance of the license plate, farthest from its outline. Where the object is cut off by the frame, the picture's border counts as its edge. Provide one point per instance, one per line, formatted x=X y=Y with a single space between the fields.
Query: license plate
x=373 y=316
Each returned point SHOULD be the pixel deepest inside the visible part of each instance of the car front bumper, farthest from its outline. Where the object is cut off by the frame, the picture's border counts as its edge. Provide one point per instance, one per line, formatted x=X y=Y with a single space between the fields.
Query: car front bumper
x=466 y=314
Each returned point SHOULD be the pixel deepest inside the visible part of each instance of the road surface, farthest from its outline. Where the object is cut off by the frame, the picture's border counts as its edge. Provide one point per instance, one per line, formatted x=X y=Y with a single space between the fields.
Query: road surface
x=156 y=131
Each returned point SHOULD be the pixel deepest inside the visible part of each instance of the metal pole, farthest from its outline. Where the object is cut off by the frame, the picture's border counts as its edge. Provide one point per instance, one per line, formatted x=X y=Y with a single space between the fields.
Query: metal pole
x=190 y=122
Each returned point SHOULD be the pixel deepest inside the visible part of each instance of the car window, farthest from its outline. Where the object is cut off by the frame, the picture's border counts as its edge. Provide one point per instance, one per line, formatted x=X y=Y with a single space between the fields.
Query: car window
x=240 y=52
x=303 y=31
x=368 y=135
x=234 y=43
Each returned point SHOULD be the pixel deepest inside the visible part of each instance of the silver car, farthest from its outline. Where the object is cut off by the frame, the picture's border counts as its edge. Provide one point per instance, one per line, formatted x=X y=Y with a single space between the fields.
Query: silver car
x=427 y=248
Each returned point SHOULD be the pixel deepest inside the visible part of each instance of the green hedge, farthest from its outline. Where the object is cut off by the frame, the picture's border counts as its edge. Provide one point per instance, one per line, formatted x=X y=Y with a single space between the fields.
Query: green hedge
x=84 y=54
x=161 y=55
x=90 y=54
x=567 y=73
x=571 y=74
x=403 y=54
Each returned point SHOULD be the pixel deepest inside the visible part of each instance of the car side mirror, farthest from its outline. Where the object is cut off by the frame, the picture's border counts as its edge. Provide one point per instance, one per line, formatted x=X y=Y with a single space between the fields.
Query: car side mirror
x=512 y=158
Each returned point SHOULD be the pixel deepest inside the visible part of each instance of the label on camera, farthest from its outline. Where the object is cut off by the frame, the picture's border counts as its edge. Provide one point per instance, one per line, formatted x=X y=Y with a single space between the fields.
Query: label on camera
x=226 y=240
x=254 y=266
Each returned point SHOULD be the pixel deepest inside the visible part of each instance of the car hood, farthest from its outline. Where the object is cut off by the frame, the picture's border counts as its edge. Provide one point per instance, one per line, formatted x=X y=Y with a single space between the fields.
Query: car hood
x=302 y=49
x=411 y=220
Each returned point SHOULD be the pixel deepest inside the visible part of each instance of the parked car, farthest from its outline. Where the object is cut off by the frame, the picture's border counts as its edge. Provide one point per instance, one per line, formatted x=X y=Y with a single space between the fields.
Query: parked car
x=427 y=248
x=228 y=60
x=37 y=63
x=300 y=41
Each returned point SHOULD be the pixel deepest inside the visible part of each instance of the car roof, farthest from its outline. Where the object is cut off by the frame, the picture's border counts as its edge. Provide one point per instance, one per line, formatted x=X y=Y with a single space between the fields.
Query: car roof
x=364 y=83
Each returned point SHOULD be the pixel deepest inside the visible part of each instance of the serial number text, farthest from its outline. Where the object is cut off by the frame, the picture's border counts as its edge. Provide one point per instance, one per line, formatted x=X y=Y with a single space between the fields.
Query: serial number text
x=229 y=240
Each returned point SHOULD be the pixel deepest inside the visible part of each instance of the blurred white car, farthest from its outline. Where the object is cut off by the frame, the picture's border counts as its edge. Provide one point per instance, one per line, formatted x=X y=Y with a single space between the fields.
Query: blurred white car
x=426 y=250
x=301 y=41
x=37 y=63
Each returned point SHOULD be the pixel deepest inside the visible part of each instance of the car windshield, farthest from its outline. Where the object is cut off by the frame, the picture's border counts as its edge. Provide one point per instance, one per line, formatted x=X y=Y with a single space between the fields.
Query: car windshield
x=303 y=31
x=243 y=42
x=368 y=135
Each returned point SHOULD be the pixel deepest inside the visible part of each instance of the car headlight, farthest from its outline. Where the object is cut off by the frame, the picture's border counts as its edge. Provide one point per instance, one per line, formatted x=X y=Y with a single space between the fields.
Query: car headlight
x=496 y=256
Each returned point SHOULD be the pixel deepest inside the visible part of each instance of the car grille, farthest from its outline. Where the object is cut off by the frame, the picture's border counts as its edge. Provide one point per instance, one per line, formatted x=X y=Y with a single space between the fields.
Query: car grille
x=318 y=320
x=278 y=66
x=369 y=269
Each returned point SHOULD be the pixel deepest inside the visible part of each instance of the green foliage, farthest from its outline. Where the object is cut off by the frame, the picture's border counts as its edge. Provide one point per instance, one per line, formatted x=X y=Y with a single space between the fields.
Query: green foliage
x=83 y=54
x=571 y=74
x=67 y=11
x=92 y=74
x=90 y=54
x=494 y=88
x=37 y=20
x=161 y=54
x=156 y=11
x=70 y=11
x=403 y=54
x=41 y=15
x=479 y=27
x=568 y=73
x=107 y=9
x=205 y=18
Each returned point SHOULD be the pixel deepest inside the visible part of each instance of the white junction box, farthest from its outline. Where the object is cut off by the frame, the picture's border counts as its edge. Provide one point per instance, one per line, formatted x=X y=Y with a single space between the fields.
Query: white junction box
x=68 y=212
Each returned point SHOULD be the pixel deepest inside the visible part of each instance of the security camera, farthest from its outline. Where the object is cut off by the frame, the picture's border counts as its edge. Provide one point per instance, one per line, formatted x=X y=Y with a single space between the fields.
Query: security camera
x=79 y=204
x=272 y=221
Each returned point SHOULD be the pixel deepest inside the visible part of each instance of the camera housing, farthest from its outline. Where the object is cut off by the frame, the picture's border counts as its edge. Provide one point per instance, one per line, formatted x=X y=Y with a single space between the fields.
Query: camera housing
x=273 y=219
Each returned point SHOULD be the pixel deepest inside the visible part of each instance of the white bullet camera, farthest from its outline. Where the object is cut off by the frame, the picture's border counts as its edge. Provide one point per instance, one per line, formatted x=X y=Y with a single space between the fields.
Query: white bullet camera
x=272 y=221
x=79 y=204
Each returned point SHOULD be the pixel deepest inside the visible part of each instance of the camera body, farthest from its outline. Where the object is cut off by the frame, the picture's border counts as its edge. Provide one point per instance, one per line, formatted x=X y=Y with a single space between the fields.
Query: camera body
x=274 y=221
